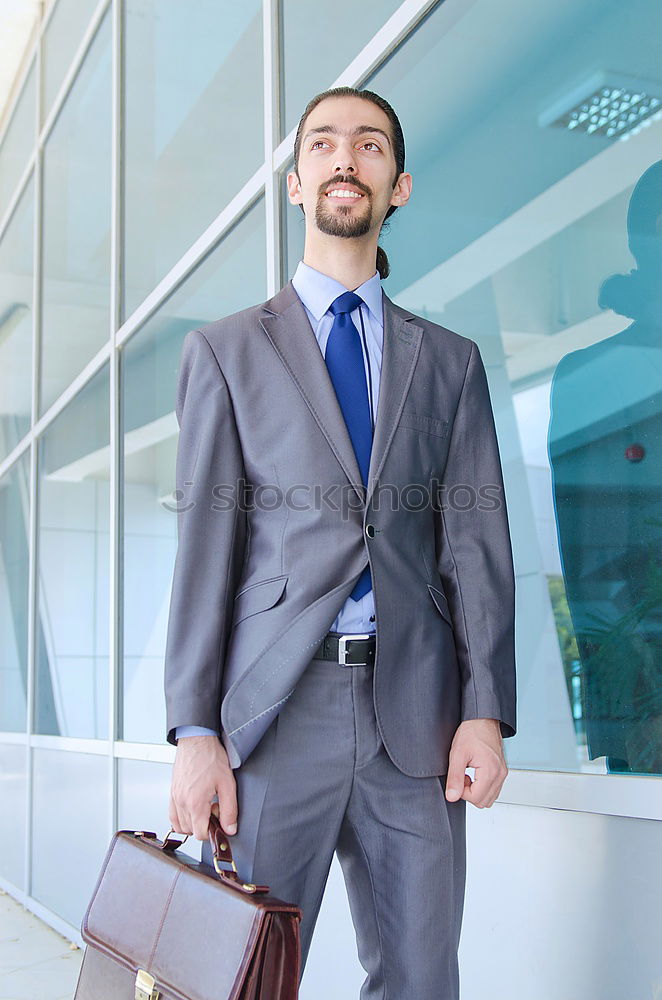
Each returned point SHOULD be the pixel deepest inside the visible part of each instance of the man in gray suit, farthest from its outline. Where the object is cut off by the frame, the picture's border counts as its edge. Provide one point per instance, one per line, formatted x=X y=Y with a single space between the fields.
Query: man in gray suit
x=341 y=642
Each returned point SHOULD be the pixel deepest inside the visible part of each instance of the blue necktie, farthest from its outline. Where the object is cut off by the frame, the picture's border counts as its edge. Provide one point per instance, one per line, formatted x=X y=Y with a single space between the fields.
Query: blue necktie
x=344 y=359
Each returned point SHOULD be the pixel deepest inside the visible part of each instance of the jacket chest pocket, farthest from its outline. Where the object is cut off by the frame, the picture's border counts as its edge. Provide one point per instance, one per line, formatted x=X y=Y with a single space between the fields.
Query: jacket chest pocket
x=437 y=426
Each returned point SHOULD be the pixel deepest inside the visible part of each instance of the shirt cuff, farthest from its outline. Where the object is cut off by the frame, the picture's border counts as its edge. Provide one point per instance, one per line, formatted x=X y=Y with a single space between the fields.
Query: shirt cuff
x=193 y=731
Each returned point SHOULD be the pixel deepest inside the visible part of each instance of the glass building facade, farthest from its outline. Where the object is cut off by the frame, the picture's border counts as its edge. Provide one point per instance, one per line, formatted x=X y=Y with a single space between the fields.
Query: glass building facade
x=142 y=193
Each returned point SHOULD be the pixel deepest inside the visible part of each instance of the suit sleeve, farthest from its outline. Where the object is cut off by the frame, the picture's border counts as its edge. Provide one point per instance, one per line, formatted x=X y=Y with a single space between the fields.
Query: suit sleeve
x=475 y=558
x=211 y=542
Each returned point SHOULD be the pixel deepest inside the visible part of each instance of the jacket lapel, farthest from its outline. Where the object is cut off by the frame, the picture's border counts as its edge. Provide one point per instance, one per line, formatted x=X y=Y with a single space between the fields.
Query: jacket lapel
x=286 y=324
x=402 y=344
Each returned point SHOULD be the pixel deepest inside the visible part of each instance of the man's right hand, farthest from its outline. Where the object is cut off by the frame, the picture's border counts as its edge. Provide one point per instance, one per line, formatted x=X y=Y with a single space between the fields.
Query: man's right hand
x=200 y=772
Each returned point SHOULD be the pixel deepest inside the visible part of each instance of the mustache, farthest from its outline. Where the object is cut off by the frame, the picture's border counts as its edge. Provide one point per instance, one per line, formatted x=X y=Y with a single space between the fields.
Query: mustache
x=345 y=180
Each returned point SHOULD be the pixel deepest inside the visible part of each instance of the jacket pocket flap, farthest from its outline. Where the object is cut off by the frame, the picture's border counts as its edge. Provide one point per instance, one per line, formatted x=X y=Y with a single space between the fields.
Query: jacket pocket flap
x=441 y=602
x=423 y=422
x=258 y=597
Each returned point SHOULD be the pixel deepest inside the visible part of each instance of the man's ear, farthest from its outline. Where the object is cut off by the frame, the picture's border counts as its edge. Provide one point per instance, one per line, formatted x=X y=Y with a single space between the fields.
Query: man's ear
x=294 y=188
x=403 y=188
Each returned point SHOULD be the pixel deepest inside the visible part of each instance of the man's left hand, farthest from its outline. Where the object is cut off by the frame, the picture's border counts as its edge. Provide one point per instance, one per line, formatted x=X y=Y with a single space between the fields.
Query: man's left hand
x=477 y=743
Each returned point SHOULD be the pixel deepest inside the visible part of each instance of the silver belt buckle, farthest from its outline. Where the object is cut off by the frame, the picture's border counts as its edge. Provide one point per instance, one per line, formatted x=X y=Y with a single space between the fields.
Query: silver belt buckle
x=342 y=648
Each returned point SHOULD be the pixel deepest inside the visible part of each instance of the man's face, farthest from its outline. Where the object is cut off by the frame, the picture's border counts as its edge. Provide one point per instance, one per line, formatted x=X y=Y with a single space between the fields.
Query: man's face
x=346 y=144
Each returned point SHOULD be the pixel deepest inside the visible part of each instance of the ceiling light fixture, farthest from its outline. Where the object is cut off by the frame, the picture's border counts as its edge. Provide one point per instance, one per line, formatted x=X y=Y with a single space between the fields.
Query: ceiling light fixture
x=608 y=104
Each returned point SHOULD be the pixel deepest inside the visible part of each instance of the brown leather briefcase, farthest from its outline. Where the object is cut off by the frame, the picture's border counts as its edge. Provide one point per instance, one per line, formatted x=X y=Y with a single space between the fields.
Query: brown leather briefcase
x=162 y=926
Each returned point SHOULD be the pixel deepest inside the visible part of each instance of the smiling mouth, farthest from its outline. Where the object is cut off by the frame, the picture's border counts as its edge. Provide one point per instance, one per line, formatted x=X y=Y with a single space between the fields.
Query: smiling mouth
x=350 y=197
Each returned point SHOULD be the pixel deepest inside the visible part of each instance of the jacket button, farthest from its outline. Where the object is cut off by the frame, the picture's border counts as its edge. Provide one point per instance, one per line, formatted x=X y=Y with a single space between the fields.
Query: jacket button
x=370 y=530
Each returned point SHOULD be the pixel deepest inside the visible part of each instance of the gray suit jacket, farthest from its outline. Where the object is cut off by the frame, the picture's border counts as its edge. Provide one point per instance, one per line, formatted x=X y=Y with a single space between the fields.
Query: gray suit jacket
x=262 y=570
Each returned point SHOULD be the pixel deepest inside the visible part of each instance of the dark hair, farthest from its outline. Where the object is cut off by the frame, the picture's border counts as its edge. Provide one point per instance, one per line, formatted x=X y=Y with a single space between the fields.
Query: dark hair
x=397 y=138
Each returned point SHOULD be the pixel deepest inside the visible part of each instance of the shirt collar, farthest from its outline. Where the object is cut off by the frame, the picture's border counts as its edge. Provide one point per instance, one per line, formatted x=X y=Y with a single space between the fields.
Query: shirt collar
x=317 y=291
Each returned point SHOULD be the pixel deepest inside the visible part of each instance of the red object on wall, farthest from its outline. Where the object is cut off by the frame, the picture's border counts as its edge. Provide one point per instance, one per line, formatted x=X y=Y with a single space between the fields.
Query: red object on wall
x=634 y=452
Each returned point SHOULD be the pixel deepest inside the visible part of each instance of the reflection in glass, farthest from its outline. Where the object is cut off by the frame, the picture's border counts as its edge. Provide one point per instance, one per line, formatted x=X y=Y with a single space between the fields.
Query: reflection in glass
x=18 y=142
x=76 y=230
x=65 y=29
x=16 y=285
x=193 y=126
x=231 y=278
x=315 y=55
x=14 y=534
x=606 y=456
x=71 y=682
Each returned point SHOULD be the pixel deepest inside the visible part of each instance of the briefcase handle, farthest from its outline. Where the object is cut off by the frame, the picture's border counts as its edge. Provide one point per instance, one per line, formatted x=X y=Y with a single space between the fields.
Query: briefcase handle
x=220 y=845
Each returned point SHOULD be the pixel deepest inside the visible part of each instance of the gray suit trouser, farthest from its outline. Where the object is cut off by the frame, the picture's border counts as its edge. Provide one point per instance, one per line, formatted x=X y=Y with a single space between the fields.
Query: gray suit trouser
x=319 y=781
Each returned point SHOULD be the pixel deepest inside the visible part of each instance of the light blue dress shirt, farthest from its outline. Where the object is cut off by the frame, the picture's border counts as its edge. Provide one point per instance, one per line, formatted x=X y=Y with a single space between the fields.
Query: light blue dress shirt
x=317 y=291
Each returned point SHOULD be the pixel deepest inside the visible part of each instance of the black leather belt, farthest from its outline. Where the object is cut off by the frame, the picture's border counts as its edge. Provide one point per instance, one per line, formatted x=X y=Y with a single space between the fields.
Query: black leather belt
x=347 y=649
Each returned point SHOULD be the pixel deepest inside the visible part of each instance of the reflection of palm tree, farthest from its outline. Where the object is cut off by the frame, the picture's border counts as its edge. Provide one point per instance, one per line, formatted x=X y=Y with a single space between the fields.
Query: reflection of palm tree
x=605 y=399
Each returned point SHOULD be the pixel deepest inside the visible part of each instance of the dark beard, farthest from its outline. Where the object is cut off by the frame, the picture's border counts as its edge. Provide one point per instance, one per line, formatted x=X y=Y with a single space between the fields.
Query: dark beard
x=344 y=224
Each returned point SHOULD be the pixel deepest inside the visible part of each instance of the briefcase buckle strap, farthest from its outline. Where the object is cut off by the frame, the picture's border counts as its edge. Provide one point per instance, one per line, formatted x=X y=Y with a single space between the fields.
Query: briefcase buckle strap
x=145 y=988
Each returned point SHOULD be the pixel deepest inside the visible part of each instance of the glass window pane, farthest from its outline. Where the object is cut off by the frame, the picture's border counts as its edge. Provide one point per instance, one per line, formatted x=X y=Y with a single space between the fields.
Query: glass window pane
x=194 y=130
x=143 y=798
x=70 y=802
x=14 y=534
x=315 y=55
x=64 y=32
x=19 y=142
x=12 y=815
x=16 y=295
x=542 y=239
x=234 y=275
x=71 y=684
x=76 y=229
